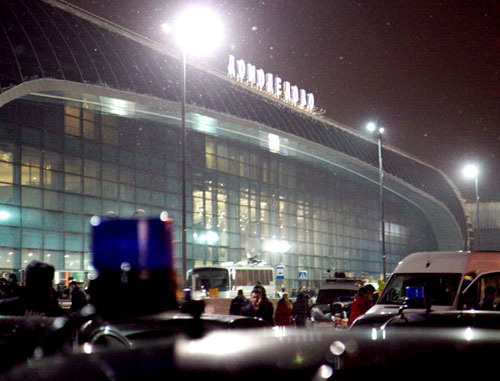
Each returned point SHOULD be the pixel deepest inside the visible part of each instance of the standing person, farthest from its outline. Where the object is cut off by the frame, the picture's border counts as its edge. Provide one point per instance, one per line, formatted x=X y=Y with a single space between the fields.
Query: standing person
x=259 y=306
x=301 y=311
x=372 y=294
x=13 y=287
x=238 y=303
x=360 y=305
x=488 y=300
x=284 y=311
x=37 y=298
x=78 y=298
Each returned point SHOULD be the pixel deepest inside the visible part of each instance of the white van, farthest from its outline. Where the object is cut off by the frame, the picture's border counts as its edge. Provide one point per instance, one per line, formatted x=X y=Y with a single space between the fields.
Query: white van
x=452 y=280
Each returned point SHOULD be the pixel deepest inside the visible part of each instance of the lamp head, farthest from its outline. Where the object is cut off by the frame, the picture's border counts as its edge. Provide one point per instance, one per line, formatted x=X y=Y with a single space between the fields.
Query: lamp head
x=371 y=127
x=471 y=171
x=198 y=30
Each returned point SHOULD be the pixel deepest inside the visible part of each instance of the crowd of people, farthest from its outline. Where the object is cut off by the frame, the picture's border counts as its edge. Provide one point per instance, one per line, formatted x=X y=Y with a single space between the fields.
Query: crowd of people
x=297 y=313
x=37 y=297
x=259 y=305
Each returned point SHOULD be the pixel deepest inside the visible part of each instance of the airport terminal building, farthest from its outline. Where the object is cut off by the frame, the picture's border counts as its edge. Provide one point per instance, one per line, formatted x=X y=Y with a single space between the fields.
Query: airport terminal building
x=90 y=123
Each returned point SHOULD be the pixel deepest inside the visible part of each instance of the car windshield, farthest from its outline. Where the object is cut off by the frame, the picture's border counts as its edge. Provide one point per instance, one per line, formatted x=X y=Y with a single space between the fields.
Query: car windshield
x=440 y=289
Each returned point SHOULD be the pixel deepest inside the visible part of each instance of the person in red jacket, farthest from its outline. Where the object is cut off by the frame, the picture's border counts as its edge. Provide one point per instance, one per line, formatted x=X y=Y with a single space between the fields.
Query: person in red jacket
x=360 y=305
x=284 y=309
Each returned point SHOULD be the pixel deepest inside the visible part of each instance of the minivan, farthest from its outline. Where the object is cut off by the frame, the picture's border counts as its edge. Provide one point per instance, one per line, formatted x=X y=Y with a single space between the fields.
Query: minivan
x=451 y=280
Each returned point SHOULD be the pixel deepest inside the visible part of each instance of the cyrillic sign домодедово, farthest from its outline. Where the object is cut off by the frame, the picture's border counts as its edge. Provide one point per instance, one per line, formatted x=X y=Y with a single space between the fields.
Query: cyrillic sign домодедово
x=270 y=84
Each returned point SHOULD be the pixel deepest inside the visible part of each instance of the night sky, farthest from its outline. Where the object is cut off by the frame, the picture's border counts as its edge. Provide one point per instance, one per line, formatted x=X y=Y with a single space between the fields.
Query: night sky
x=428 y=69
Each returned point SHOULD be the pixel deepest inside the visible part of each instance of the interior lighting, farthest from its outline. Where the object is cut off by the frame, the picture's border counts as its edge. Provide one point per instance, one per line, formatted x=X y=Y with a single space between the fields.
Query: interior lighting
x=274 y=143
x=277 y=246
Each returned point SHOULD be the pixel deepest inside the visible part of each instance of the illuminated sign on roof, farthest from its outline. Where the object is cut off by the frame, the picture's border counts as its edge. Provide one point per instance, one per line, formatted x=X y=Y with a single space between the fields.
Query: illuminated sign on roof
x=268 y=83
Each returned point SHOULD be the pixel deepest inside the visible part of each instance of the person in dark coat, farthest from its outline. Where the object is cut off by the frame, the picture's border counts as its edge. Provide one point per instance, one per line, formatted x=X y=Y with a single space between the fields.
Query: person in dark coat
x=238 y=303
x=300 y=311
x=78 y=298
x=14 y=289
x=37 y=298
x=259 y=306
x=488 y=300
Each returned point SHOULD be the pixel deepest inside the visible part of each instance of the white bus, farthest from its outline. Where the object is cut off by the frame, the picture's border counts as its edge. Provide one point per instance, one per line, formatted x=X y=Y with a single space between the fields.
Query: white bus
x=229 y=278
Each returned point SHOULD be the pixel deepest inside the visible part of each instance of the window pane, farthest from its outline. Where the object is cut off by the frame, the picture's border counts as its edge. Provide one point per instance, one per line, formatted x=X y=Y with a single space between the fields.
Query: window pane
x=7 y=258
x=53 y=200
x=52 y=160
x=72 y=120
x=127 y=193
x=89 y=127
x=31 y=218
x=6 y=172
x=53 y=240
x=30 y=176
x=73 y=223
x=91 y=187
x=52 y=180
x=109 y=135
x=31 y=197
x=55 y=258
x=72 y=183
x=32 y=158
x=73 y=261
x=109 y=190
x=30 y=255
x=32 y=238
x=109 y=172
x=71 y=125
x=73 y=242
x=91 y=168
x=73 y=165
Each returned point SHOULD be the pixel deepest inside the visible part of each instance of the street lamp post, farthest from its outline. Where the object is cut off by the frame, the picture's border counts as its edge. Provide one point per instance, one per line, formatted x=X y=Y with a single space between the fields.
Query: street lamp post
x=197 y=31
x=374 y=128
x=471 y=171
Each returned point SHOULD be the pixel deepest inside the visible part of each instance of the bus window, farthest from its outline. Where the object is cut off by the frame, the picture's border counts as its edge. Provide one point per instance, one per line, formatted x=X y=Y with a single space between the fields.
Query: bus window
x=212 y=278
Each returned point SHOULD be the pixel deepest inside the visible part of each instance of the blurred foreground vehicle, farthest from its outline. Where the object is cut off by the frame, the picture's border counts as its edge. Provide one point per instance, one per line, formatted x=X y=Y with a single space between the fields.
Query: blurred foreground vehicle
x=394 y=351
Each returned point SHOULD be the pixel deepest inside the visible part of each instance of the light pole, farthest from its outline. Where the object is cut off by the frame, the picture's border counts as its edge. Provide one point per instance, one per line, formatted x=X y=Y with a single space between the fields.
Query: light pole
x=375 y=128
x=471 y=171
x=197 y=31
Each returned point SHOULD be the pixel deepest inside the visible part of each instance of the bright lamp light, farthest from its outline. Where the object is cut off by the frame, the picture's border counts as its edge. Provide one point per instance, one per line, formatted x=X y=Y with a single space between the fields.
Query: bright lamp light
x=198 y=31
x=471 y=171
x=371 y=126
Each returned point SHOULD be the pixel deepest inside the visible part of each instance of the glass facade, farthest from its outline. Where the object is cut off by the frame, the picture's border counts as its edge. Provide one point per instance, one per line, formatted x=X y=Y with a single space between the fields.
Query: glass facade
x=63 y=162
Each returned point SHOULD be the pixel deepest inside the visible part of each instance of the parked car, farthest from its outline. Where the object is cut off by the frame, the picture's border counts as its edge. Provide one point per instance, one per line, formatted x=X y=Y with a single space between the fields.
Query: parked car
x=334 y=300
